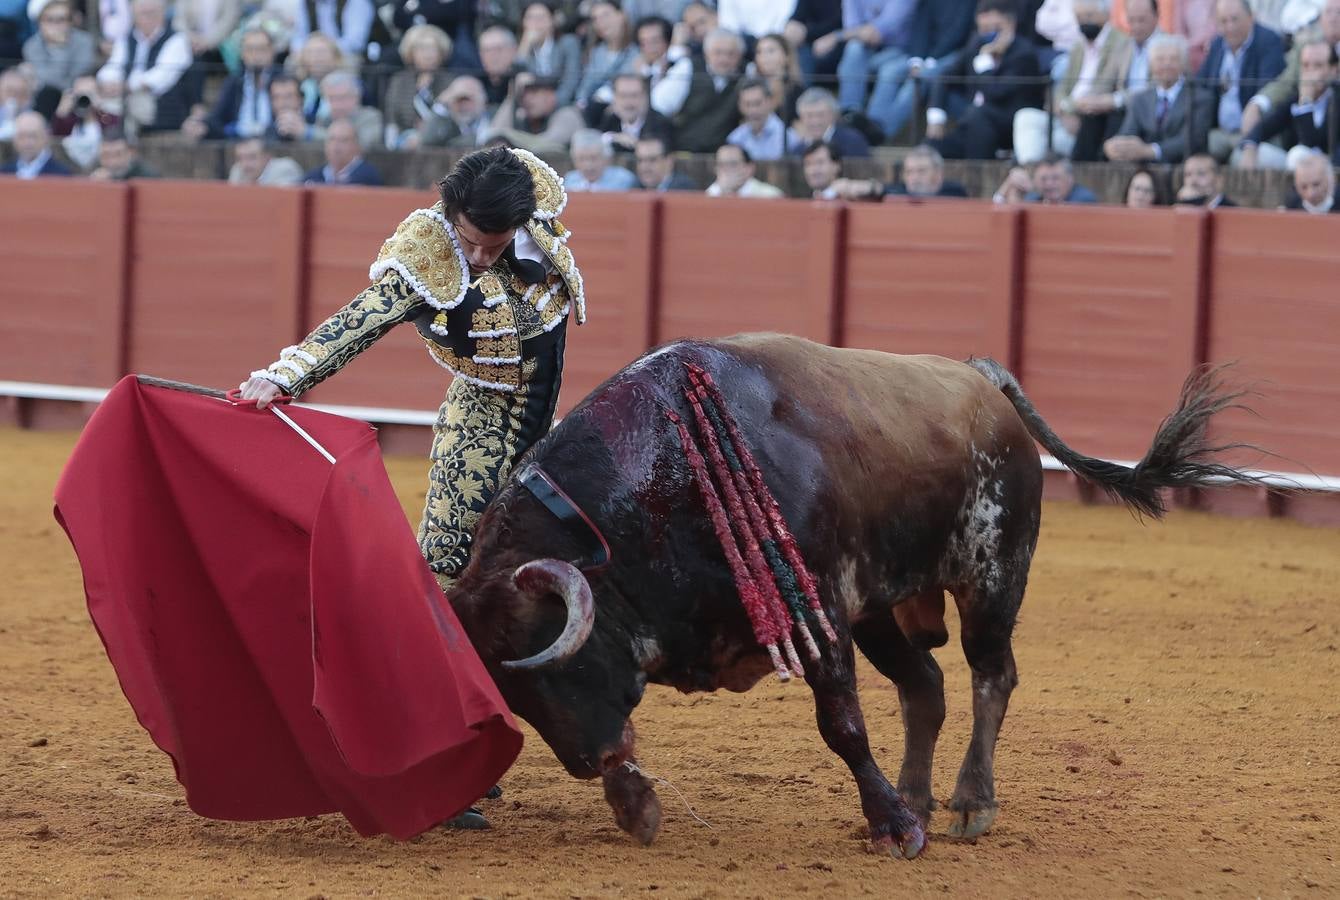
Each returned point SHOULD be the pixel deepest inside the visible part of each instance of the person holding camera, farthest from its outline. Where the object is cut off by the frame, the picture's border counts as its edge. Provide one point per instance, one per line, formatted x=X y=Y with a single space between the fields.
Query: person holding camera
x=85 y=111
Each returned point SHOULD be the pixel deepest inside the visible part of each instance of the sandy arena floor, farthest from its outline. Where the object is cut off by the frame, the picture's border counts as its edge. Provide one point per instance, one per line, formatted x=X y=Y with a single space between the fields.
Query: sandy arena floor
x=1174 y=733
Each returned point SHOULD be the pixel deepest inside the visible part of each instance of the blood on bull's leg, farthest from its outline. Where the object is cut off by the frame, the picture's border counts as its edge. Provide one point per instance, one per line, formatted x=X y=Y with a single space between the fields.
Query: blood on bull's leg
x=910 y=666
x=894 y=826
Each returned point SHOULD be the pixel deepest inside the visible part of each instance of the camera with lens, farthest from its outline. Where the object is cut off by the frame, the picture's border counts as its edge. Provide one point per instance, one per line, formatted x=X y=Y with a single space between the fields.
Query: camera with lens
x=83 y=103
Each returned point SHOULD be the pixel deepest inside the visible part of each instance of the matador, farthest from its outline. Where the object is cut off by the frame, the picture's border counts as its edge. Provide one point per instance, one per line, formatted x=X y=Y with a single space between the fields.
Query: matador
x=487 y=278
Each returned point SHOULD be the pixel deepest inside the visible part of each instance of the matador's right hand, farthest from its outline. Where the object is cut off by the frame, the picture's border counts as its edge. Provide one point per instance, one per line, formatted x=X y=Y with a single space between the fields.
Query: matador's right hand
x=262 y=390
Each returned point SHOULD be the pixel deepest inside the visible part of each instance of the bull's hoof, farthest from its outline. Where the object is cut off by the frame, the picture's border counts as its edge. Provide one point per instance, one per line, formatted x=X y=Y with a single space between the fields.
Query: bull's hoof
x=970 y=824
x=909 y=845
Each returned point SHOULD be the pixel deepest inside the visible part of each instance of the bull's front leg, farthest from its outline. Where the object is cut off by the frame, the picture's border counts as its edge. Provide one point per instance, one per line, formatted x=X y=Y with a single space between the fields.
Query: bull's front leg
x=894 y=827
x=637 y=810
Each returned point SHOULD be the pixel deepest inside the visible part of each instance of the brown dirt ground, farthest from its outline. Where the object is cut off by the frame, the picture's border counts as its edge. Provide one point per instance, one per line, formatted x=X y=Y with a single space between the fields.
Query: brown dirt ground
x=1174 y=733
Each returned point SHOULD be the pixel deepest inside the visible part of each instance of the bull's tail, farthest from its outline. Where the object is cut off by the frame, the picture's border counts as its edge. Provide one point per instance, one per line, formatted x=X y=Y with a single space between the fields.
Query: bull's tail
x=1179 y=456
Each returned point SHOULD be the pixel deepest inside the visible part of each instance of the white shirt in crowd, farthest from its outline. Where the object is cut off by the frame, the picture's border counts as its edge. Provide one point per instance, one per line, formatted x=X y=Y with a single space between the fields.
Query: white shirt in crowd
x=173 y=61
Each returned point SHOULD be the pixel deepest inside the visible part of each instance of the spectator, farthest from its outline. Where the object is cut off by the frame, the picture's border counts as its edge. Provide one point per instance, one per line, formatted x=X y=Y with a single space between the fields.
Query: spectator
x=151 y=63
x=59 y=53
x=497 y=54
x=1244 y=58
x=1169 y=119
x=1101 y=114
x=456 y=19
x=81 y=118
x=1144 y=189
x=549 y=54
x=534 y=121
x=939 y=31
x=17 y=86
x=821 y=163
x=32 y=149
x=876 y=35
x=592 y=169
x=656 y=167
x=207 y=24
x=253 y=163
x=1016 y=187
x=924 y=176
x=752 y=19
x=342 y=98
x=710 y=111
x=113 y=23
x=697 y=22
x=1195 y=21
x=813 y=34
x=458 y=117
x=243 y=106
x=1202 y=183
x=762 y=132
x=1305 y=123
x=1056 y=32
x=287 y=120
x=998 y=70
x=630 y=116
x=1314 y=186
x=347 y=22
x=119 y=159
x=735 y=176
x=816 y=120
x=425 y=49
x=318 y=58
x=612 y=53
x=776 y=62
x=1286 y=85
x=1093 y=69
x=344 y=158
x=1054 y=182
x=667 y=68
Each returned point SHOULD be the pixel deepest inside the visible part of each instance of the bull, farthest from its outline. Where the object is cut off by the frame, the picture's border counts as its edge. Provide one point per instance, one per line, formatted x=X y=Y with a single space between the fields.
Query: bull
x=902 y=478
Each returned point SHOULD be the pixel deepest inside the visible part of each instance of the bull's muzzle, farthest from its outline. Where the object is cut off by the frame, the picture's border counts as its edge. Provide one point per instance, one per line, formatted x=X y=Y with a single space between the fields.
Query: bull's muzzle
x=552 y=576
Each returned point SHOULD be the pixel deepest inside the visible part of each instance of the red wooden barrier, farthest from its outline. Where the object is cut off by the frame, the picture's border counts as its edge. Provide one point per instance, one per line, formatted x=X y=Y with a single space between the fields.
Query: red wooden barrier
x=62 y=281
x=214 y=278
x=1275 y=309
x=747 y=265
x=346 y=228
x=613 y=241
x=1111 y=306
x=933 y=278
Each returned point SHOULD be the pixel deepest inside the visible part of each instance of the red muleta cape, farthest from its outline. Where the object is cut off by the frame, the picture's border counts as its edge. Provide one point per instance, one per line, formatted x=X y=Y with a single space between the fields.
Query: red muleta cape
x=271 y=619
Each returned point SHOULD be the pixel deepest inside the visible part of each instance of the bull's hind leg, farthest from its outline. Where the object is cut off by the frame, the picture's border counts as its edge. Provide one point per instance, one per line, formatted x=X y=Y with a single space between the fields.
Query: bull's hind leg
x=893 y=825
x=987 y=621
x=902 y=654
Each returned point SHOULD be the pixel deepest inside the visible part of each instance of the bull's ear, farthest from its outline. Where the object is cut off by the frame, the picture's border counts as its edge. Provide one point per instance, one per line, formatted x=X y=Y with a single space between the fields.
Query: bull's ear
x=553 y=576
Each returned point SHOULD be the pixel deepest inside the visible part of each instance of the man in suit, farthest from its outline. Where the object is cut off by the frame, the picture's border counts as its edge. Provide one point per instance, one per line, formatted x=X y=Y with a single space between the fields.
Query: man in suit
x=817 y=121
x=1243 y=58
x=344 y=159
x=287 y=120
x=629 y=117
x=996 y=76
x=1169 y=120
x=1314 y=186
x=710 y=110
x=656 y=167
x=1202 y=183
x=1101 y=114
x=32 y=144
x=1327 y=29
x=243 y=106
x=1305 y=121
x=1095 y=61
x=924 y=176
x=1054 y=182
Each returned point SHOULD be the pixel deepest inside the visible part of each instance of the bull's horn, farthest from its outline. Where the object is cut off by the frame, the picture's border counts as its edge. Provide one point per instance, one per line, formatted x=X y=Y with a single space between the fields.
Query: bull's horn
x=544 y=576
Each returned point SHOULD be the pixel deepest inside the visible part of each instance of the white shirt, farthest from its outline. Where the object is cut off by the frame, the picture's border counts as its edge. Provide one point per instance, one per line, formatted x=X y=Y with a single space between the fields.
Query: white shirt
x=1320 y=207
x=751 y=188
x=670 y=78
x=755 y=17
x=173 y=61
x=30 y=170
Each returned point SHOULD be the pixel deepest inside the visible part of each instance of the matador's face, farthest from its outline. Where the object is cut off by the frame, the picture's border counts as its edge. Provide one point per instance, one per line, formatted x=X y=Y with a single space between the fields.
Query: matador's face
x=482 y=248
